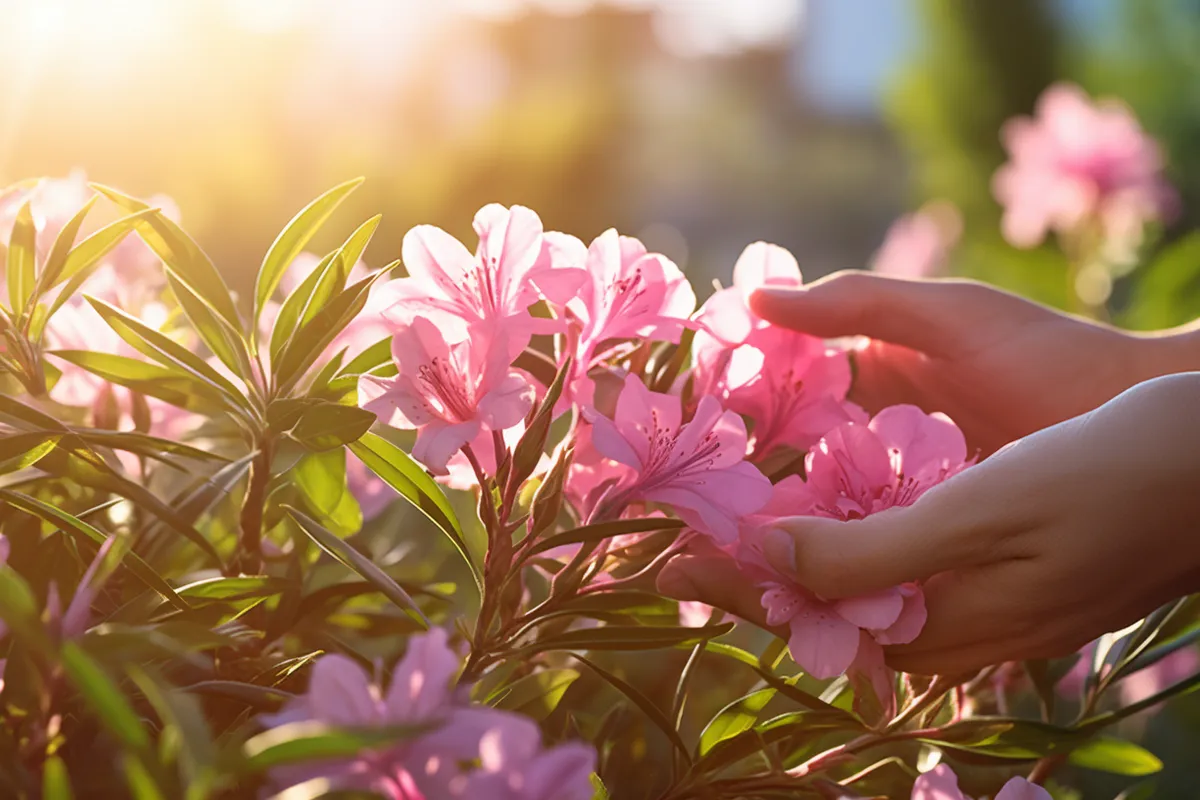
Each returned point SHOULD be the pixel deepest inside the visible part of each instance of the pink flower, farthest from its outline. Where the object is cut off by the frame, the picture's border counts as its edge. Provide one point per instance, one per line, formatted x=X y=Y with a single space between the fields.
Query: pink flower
x=514 y=766
x=492 y=289
x=447 y=392
x=52 y=202
x=697 y=467
x=630 y=294
x=1078 y=162
x=854 y=471
x=790 y=385
x=694 y=614
x=372 y=494
x=431 y=765
x=918 y=245
x=940 y=783
x=75 y=621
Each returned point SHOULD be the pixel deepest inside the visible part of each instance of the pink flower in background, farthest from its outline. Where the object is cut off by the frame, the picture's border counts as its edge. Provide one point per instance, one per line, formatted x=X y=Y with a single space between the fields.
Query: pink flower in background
x=75 y=621
x=52 y=203
x=694 y=614
x=367 y=328
x=854 y=471
x=492 y=289
x=372 y=494
x=918 y=245
x=629 y=294
x=431 y=765
x=447 y=392
x=514 y=766
x=940 y=783
x=791 y=385
x=1077 y=162
x=696 y=467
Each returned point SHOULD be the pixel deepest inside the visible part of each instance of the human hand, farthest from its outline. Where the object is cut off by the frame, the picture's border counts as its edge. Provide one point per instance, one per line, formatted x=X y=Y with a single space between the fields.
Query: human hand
x=1000 y=366
x=1072 y=532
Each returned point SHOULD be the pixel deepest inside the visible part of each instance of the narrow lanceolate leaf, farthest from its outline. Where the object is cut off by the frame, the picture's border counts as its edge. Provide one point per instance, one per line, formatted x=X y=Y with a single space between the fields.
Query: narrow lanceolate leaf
x=535 y=695
x=68 y=522
x=223 y=337
x=293 y=239
x=56 y=782
x=533 y=443
x=110 y=706
x=311 y=741
x=321 y=478
x=22 y=260
x=180 y=254
x=63 y=244
x=172 y=385
x=1118 y=756
x=397 y=469
x=313 y=337
x=23 y=450
x=356 y=561
x=163 y=348
x=80 y=261
x=652 y=712
x=605 y=530
x=309 y=296
x=626 y=637
x=738 y=716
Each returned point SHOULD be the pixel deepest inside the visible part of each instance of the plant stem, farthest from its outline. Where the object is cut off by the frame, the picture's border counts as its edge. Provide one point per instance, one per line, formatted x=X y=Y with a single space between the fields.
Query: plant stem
x=251 y=518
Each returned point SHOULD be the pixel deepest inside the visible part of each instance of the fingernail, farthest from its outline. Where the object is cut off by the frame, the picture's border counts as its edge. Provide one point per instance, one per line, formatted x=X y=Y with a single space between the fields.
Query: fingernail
x=780 y=292
x=675 y=582
x=780 y=549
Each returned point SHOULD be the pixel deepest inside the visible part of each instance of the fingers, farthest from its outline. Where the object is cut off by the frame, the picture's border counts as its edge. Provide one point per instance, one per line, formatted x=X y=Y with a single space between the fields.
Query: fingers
x=929 y=316
x=716 y=580
x=946 y=529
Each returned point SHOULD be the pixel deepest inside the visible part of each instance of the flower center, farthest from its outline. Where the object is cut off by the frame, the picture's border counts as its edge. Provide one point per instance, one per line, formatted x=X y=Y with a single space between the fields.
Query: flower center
x=666 y=462
x=443 y=384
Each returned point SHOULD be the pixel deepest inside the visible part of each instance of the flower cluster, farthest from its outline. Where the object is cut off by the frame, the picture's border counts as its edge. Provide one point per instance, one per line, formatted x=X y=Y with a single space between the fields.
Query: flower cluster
x=694 y=443
x=448 y=747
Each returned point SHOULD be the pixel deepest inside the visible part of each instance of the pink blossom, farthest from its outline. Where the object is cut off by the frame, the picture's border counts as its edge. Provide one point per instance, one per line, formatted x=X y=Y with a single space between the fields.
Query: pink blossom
x=372 y=494
x=75 y=621
x=630 y=294
x=696 y=467
x=1075 y=163
x=447 y=392
x=919 y=244
x=694 y=614
x=940 y=783
x=492 y=289
x=52 y=203
x=789 y=384
x=431 y=765
x=854 y=471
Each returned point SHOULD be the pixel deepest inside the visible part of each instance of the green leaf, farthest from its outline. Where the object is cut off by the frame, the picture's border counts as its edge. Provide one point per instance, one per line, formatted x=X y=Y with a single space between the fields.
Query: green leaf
x=356 y=561
x=738 y=716
x=324 y=426
x=1117 y=756
x=169 y=384
x=397 y=469
x=321 y=478
x=625 y=637
x=311 y=339
x=535 y=695
x=369 y=360
x=263 y=698
x=56 y=516
x=652 y=712
x=224 y=338
x=182 y=713
x=537 y=364
x=180 y=254
x=605 y=530
x=293 y=239
x=665 y=378
x=328 y=276
x=56 y=783
x=234 y=588
x=111 y=707
x=63 y=243
x=23 y=450
x=19 y=610
x=312 y=741
x=164 y=349
x=80 y=262
x=22 y=260
x=85 y=467
x=533 y=442
x=147 y=446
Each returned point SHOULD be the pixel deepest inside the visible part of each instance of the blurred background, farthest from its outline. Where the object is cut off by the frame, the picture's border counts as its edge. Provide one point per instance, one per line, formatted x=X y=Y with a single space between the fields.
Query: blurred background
x=698 y=125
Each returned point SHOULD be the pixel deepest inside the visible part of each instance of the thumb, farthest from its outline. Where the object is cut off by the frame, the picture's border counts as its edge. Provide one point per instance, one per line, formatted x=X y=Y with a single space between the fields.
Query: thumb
x=928 y=316
x=838 y=559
